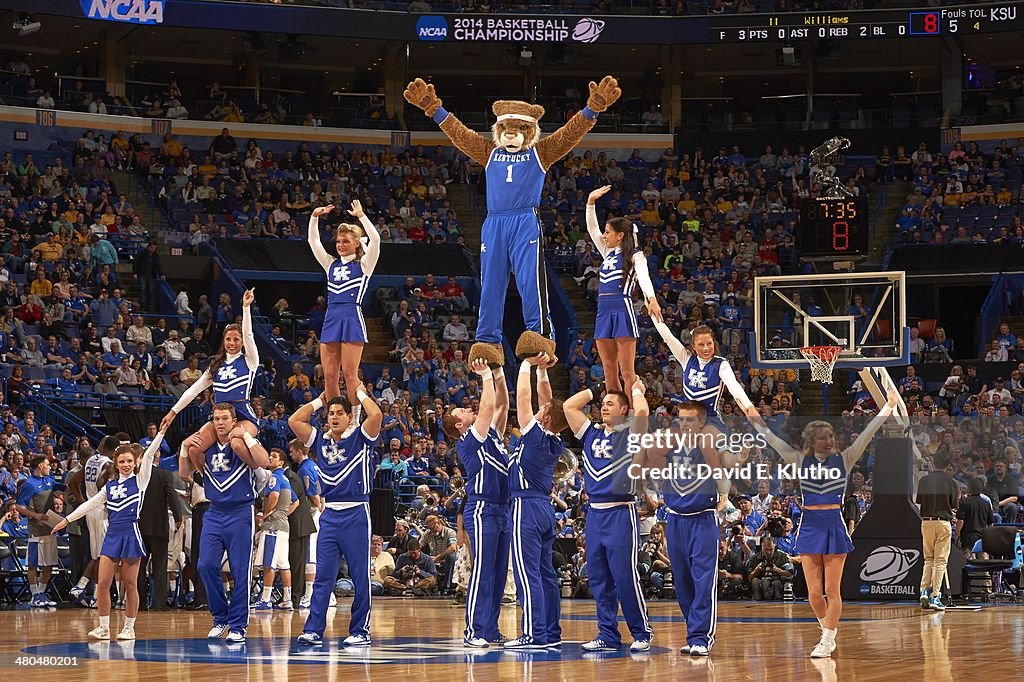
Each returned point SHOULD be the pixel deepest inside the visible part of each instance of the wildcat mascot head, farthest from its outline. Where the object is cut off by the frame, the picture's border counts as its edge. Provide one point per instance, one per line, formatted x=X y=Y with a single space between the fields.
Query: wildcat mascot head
x=517 y=126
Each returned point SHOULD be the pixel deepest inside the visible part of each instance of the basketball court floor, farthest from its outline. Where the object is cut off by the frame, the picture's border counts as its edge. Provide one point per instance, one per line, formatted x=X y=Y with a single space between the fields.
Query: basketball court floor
x=422 y=639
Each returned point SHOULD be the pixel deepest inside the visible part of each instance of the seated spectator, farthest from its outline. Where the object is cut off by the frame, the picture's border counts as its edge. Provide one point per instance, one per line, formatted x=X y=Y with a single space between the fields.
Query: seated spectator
x=440 y=543
x=382 y=565
x=996 y=353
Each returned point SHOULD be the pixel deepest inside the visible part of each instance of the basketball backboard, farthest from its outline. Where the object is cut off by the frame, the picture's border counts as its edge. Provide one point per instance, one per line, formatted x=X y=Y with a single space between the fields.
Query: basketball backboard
x=862 y=313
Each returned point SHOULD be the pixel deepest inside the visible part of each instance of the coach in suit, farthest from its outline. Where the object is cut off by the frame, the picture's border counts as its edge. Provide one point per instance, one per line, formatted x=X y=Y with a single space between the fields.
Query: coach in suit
x=300 y=528
x=160 y=496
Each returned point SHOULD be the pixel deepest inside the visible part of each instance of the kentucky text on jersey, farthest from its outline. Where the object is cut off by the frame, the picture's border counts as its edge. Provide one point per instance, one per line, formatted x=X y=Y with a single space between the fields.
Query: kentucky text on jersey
x=229 y=481
x=610 y=278
x=702 y=383
x=344 y=466
x=346 y=282
x=514 y=181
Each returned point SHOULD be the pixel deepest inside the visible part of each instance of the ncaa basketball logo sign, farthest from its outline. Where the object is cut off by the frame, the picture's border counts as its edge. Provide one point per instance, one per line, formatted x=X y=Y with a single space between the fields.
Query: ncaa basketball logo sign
x=885 y=568
x=128 y=11
x=431 y=28
x=587 y=30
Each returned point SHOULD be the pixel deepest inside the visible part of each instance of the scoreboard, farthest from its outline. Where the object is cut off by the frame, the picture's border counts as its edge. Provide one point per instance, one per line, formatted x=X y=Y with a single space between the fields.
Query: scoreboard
x=833 y=229
x=877 y=24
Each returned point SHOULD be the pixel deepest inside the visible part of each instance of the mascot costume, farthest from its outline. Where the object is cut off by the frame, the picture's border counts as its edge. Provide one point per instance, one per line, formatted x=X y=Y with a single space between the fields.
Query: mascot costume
x=512 y=240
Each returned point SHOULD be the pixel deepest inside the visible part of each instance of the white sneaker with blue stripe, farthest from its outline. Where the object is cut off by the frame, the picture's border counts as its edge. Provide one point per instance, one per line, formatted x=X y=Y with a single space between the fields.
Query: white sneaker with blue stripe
x=357 y=640
x=310 y=639
x=598 y=645
x=698 y=650
x=524 y=643
x=640 y=645
x=237 y=636
x=475 y=642
x=262 y=606
x=217 y=631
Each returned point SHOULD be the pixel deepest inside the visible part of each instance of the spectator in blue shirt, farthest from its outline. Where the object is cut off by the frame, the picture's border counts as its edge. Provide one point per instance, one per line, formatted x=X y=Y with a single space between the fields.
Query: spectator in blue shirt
x=103 y=310
x=15 y=525
x=751 y=520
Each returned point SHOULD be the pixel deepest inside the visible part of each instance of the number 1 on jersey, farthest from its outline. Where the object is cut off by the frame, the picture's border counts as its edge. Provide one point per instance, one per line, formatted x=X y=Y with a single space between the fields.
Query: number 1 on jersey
x=508 y=177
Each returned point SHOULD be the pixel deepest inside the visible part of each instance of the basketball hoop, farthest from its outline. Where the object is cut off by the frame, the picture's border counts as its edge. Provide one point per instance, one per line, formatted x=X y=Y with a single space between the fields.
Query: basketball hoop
x=822 y=360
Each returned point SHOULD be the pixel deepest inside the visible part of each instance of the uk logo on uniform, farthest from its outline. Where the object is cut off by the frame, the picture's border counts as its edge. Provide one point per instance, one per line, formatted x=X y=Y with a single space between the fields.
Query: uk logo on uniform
x=227 y=373
x=219 y=462
x=118 y=492
x=342 y=274
x=333 y=455
x=697 y=379
x=602 y=449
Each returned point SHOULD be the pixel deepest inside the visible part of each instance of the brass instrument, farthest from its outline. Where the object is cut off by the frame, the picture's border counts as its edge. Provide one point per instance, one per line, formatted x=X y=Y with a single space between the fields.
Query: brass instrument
x=566 y=466
x=457 y=485
x=579 y=526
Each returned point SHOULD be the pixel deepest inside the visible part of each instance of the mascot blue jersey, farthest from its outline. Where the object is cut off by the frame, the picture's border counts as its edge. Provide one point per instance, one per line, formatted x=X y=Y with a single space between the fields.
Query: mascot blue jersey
x=514 y=181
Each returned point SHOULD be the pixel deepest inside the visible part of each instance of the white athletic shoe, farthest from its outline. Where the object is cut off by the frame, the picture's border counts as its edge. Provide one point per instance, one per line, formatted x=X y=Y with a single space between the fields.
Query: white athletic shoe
x=310 y=639
x=823 y=649
x=524 y=643
x=357 y=640
x=236 y=636
x=77 y=592
x=126 y=633
x=698 y=650
x=640 y=645
x=684 y=650
x=285 y=606
x=598 y=645
x=217 y=631
x=304 y=601
x=100 y=632
x=475 y=642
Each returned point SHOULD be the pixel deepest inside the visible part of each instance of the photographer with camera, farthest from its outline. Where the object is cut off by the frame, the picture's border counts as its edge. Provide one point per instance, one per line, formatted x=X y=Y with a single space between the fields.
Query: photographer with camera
x=415 y=573
x=654 y=553
x=769 y=569
x=732 y=573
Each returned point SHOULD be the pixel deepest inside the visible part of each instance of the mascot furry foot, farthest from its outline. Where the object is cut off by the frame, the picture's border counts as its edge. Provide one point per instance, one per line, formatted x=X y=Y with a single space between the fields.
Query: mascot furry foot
x=532 y=343
x=491 y=352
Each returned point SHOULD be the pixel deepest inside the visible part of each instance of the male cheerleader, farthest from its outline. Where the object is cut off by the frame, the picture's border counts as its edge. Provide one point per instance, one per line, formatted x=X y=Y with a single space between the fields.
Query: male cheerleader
x=693 y=535
x=613 y=536
x=272 y=549
x=346 y=480
x=478 y=443
x=531 y=468
x=91 y=478
x=229 y=477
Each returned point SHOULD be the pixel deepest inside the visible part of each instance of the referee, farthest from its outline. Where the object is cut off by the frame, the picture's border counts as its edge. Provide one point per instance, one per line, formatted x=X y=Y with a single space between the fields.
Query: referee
x=939 y=496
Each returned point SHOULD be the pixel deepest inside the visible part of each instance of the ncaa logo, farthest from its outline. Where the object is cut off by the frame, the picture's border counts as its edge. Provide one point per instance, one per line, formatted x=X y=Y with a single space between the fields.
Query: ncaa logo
x=431 y=28
x=587 y=30
x=888 y=565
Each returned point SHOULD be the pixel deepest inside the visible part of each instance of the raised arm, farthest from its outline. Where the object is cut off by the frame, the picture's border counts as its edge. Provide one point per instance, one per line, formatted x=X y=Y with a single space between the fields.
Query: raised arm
x=190 y=394
x=544 y=393
x=420 y=94
x=593 y=227
x=374 y=417
x=524 y=395
x=369 y=259
x=789 y=454
x=573 y=408
x=485 y=416
x=679 y=351
x=252 y=353
x=641 y=409
x=313 y=236
x=299 y=422
x=500 y=419
x=146 y=465
x=857 y=448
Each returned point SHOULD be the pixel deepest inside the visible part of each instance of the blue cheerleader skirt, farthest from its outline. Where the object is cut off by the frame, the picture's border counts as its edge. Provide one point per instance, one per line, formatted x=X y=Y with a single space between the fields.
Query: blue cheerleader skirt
x=344 y=324
x=243 y=412
x=123 y=542
x=822 y=531
x=615 y=319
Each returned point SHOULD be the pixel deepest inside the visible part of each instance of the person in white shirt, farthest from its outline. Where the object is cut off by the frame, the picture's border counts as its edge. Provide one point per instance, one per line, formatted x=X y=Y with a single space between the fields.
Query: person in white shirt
x=174 y=347
x=181 y=303
x=45 y=101
x=762 y=502
x=96 y=106
x=176 y=111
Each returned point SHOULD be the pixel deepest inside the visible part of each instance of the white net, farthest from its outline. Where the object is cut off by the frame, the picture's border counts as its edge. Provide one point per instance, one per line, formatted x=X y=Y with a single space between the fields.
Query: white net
x=822 y=360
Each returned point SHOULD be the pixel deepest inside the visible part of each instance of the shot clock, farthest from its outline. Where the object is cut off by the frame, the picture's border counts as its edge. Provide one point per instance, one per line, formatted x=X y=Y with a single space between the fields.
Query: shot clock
x=833 y=229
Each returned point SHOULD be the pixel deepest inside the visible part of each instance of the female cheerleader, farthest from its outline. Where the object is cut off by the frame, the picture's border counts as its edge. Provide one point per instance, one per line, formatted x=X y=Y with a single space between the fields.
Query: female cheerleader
x=821 y=538
x=231 y=373
x=348 y=276
x=123 y=543
x=615 y=329
x=704 y=373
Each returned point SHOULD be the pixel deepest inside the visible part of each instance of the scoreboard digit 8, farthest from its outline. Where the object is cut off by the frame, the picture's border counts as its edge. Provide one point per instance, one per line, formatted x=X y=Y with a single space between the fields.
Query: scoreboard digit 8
x=833 y=229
